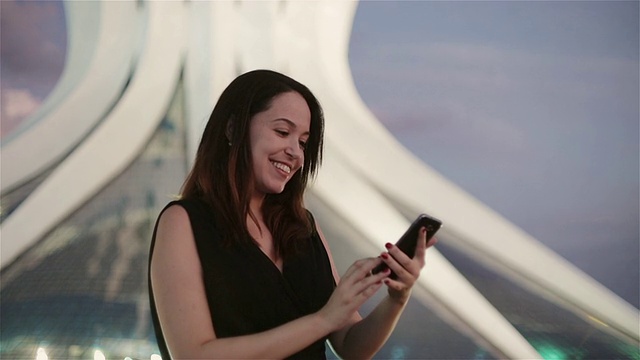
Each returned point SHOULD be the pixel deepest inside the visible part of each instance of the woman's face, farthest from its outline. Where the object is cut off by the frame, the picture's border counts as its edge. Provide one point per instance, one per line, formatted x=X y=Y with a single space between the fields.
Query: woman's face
x=278 y=136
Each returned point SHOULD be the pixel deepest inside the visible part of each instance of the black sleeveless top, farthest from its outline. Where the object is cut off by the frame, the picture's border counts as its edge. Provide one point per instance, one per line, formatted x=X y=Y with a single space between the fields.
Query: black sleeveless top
x=245 y=291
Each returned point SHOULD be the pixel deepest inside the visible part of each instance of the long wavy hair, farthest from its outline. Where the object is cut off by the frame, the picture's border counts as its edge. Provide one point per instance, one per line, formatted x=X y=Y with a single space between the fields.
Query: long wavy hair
x=222 y=174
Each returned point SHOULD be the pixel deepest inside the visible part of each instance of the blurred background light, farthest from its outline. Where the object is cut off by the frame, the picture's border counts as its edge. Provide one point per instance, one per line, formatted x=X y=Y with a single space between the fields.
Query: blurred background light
x=99 y=355
x=41 y=354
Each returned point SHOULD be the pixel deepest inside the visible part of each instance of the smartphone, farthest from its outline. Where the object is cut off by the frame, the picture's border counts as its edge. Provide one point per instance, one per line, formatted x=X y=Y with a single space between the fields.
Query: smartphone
x=409 y=239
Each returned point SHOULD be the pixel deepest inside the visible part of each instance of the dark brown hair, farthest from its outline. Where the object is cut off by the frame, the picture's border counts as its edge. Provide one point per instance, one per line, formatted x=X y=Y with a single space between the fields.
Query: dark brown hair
x=222 y=174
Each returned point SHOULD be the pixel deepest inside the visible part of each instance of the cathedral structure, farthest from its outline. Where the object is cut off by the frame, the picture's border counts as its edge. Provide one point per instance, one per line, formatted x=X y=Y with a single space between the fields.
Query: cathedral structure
x=83 y=183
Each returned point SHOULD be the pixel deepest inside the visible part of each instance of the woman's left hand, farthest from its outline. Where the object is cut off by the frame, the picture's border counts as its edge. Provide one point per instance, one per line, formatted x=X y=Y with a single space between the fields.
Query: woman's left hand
x=406 y=269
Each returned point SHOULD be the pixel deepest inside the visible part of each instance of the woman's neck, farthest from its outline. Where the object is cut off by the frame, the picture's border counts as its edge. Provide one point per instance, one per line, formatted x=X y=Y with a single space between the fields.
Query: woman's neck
x=259 y=231
x=254 y=217
x=255 y=204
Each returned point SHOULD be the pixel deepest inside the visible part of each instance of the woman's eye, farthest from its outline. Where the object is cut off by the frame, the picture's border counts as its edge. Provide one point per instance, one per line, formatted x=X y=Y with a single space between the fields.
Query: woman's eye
x=282 y=132
x=303 y=145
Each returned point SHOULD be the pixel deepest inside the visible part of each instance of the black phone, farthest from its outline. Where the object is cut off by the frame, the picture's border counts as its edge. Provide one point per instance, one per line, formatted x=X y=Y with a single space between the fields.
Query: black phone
x=409 y=239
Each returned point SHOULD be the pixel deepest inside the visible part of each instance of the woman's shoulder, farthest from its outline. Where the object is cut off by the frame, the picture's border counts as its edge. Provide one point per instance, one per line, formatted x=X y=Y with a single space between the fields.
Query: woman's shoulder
x=173 y=218
x=195 y=212
x=174 y=212
x=182 y=212
x=186 y=207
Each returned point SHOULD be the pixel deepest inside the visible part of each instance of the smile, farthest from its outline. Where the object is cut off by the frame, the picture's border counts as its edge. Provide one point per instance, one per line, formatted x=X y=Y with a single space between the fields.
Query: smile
x=281 y=166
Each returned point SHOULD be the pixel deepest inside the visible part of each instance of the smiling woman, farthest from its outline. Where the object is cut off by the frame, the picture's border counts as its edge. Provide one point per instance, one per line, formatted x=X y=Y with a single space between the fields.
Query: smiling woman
x=238 y=268
x=34 y=45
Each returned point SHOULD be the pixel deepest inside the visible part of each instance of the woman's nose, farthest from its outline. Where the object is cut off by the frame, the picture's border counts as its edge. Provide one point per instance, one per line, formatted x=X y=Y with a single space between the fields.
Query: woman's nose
x=294 y=150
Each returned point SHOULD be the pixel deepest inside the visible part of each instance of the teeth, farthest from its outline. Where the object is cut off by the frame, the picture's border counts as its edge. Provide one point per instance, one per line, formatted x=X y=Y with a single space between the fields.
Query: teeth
x=282 y=167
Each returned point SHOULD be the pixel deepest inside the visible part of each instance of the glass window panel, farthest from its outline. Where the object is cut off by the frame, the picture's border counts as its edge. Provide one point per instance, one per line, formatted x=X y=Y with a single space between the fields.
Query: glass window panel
x=83 y=287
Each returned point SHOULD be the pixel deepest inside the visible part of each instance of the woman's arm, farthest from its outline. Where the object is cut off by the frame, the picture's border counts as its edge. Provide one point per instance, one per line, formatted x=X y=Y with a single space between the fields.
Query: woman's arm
x=184 y=314
x=362 y=338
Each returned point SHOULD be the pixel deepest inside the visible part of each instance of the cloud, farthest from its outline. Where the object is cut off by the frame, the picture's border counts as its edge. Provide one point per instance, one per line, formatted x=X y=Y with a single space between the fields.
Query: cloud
x=484 y=69
x=33 y=38
x=511 y=125
x=493 y=98
x=33 y=35
x=32 y=55
x=17 y=104
x=454 y=93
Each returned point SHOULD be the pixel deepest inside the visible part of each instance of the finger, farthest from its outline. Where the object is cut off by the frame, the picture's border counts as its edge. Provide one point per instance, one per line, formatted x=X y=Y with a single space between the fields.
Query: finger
x=370 y=280
x=369 y=265
x=395 y=284
x=400 y=270
x=376 y=266
x=370 y=290
x=432 y=242
x=355 y=268
x=398 y=255
x=421 y=246
x=361 y=269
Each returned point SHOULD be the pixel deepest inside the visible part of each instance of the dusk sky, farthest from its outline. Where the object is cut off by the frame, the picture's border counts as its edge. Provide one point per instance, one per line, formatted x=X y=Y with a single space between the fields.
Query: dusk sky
x=530 y=106
x=32 y=45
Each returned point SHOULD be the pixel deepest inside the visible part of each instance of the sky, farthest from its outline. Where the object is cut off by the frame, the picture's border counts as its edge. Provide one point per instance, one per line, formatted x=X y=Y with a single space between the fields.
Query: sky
x=530 y=106
x=32 y=52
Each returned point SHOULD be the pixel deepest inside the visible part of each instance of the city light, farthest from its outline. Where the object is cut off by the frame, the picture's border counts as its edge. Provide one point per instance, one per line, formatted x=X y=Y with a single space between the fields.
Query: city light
x=99 y=355
x=41 y=354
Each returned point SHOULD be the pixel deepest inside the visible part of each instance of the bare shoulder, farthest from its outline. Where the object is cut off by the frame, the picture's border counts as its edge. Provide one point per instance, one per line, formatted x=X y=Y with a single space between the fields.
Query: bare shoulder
x=174 y=216
x=174 y=222
x=178 y=290
x=174 y=236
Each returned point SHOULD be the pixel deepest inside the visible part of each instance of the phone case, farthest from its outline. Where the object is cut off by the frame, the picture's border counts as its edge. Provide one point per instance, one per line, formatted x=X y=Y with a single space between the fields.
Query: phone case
x=409 y=239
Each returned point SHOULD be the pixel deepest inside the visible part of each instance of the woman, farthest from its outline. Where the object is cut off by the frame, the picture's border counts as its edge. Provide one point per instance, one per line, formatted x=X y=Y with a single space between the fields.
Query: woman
x=238 y=267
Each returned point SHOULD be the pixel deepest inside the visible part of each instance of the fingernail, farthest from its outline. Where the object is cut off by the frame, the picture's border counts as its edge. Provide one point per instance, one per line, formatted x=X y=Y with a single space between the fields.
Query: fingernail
x=385 y=256
x=388 y=245
x=387 y=271
x=386 y=281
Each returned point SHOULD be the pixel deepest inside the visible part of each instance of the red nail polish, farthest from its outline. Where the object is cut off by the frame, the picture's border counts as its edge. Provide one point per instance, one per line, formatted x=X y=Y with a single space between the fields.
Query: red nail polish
x=388 y=245
x=385 y=256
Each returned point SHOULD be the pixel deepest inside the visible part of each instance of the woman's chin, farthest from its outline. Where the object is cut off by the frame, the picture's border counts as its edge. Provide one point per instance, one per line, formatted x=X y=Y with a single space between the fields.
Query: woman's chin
x=275 y=189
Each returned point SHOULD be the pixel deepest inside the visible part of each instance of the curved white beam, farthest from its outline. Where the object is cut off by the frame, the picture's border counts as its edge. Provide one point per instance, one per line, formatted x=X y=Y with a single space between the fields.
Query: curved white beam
x=93 y=81
x=114 y=144
x=198 y=71
x=373 y=153
x=354 y=199
x=311 y=44
x=350 y=193
x=291 y=30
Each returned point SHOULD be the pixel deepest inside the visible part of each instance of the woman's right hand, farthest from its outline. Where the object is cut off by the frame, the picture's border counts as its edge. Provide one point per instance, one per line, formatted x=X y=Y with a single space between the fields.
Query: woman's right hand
x=356 y=286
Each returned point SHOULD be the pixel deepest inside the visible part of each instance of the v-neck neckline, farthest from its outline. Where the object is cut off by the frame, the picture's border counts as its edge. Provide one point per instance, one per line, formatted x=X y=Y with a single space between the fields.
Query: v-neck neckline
x=266 y=257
